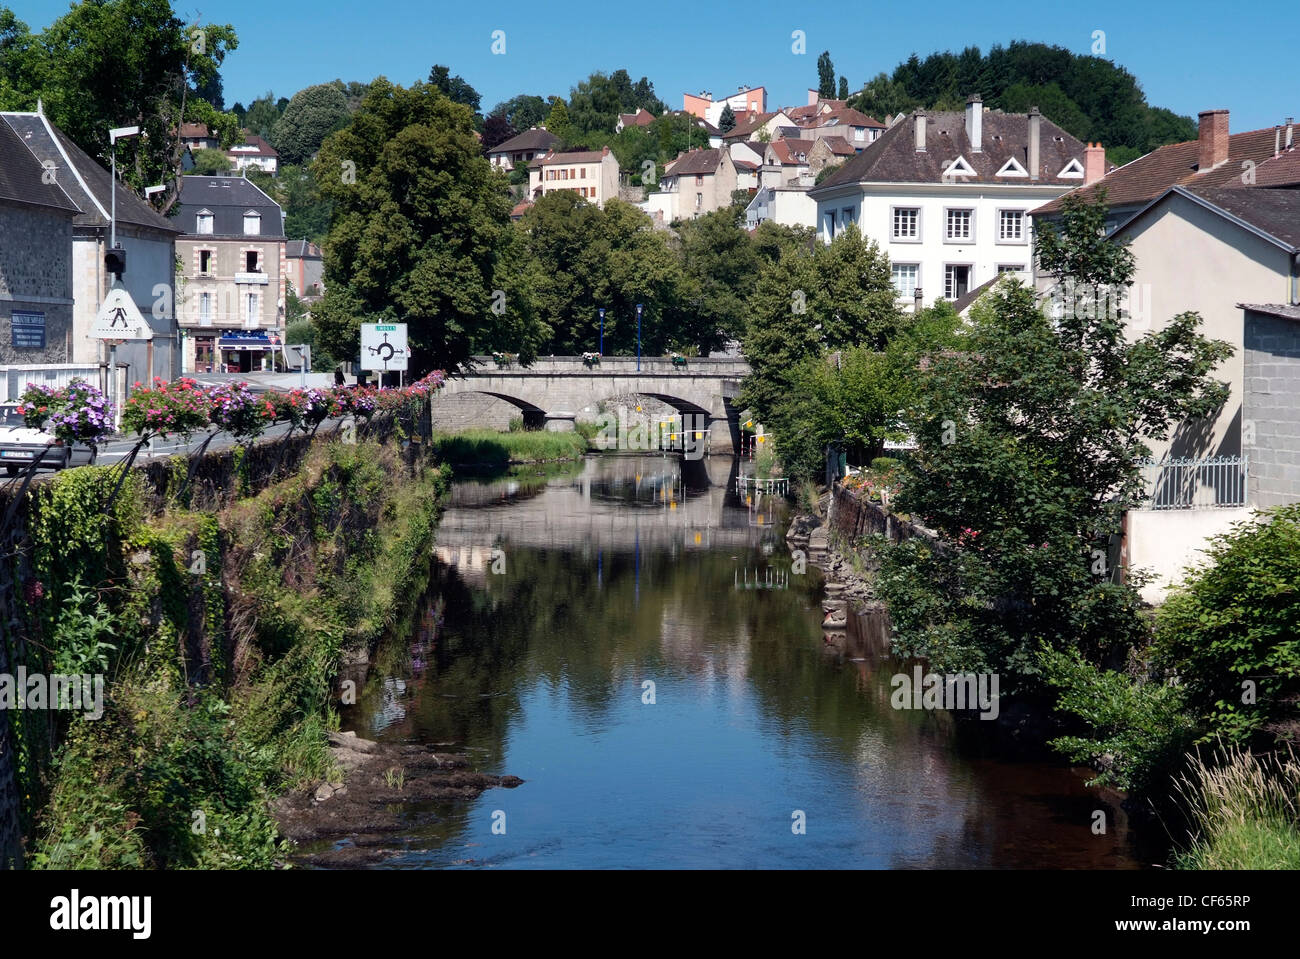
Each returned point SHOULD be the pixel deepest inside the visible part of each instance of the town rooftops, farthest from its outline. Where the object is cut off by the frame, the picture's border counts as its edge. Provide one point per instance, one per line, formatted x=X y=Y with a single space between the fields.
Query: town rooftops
x=227 y=198
x=641 y=118
x=538 y=138
x=21 y=176
x=302 y=249
x=697 y=162
x=1141 y=181
x=253 y=146
x=575 y=156
x=1272 y=214
x=1003 y=158
x=1280 y=310
x=1282 y=170
x=847 y=117
x=839 y=146
x=196 y=131
x=750 y=124
x=792 y=152
x=87 y=184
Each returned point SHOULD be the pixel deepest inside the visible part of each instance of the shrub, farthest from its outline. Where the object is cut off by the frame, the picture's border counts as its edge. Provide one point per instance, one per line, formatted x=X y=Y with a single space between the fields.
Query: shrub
x=165 y=409
x=1246 y=809
x=1232 y=632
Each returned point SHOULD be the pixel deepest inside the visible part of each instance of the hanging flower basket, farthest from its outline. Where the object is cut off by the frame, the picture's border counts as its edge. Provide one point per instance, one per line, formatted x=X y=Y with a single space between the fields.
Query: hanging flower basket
x=678 y=359
x=504 y=360
x=591 y=359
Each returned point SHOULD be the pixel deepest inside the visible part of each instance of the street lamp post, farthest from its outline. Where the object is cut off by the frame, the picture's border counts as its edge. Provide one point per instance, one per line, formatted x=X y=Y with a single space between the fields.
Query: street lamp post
x=115 y=134
x=602 y=331
x=638 y=337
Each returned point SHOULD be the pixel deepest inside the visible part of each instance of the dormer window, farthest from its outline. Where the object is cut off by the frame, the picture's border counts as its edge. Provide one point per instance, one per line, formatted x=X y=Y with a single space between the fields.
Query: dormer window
x=1072 y=171
x=1012 y=168
x=959 y=167
x=204 y=222
x=252 y=223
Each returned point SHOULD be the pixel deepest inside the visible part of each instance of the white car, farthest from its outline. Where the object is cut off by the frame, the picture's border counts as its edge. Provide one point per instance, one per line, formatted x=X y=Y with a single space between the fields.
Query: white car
x=20 y=445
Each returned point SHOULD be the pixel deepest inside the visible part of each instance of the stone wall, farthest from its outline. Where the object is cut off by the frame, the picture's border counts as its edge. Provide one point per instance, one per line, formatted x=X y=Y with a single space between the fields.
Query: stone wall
x=1272 y=380
x=36 y=277
x=852 y=517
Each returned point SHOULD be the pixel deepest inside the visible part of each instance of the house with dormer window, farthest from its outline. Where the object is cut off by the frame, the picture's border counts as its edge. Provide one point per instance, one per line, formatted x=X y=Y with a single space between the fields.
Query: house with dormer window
x=947 y=195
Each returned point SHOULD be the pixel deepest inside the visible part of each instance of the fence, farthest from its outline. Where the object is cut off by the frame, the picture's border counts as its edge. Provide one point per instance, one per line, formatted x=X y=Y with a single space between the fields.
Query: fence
x=1212 y=482
x=15 y=378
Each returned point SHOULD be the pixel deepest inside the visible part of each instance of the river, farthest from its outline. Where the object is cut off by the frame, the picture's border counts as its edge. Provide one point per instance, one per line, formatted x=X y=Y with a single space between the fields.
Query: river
x=632 y=640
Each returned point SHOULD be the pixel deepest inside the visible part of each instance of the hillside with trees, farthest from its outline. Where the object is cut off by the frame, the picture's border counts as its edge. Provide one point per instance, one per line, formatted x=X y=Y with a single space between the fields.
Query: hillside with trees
x=1090 y=97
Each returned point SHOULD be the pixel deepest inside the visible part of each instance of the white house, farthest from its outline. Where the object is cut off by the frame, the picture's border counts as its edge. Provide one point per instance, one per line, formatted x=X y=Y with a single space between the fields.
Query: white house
x=522 y=149
x=592 y=174
x=947 y=196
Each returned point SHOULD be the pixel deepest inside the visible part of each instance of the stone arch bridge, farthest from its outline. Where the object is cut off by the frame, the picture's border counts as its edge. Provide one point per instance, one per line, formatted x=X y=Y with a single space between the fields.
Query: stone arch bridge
x=555 y=391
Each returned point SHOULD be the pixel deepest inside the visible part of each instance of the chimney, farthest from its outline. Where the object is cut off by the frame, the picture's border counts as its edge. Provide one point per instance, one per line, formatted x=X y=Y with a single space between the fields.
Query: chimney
x=1094 y=163
x=1277 y=140
x=1213 y=140
x=813 y=98
x=1035 y=125
x=1289 y=141
x=974 y=121
x=920 y=130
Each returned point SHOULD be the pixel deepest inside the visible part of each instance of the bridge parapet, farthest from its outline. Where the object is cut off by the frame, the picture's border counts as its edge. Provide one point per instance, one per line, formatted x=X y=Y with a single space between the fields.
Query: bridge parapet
x=695 y=366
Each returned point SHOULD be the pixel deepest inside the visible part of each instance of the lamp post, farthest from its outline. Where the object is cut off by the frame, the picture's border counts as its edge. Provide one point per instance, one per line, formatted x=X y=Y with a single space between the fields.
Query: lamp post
x=602 y=332
x=638 y=337
x=115 y=134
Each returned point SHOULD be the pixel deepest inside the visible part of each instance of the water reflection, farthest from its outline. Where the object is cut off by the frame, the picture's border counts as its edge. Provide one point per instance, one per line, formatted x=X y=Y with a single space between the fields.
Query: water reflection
x=599 y=635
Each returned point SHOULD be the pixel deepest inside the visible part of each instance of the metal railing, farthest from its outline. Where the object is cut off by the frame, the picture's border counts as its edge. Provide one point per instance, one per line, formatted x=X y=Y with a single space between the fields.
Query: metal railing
x=1211 y=482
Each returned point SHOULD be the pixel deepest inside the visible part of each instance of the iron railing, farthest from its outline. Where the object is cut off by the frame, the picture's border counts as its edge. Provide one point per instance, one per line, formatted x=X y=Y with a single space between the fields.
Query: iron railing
x=1211 y=482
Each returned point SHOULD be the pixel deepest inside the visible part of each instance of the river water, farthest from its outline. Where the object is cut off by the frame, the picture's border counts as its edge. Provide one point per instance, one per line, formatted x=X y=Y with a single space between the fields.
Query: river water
x=631 y=639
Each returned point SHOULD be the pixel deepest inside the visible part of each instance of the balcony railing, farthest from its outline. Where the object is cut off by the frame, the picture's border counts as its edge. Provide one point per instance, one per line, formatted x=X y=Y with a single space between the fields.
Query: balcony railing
x=1212 y=482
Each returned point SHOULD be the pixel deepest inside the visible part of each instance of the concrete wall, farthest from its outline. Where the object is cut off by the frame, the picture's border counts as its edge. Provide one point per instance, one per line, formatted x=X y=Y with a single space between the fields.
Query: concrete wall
x=1271 y=409
x=1164 y=542
x=36 y=276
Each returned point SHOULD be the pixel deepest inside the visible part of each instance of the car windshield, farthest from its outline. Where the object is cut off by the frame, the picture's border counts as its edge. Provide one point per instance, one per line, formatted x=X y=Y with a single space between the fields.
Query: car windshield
x=9 y=416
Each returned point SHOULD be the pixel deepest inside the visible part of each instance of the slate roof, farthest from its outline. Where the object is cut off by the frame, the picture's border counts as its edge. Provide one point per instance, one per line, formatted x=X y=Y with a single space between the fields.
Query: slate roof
x=260 y=147
x=302 y=249
x=1147 y=177
x=21 y=176
x=1280 y=310
x=892 y=157
x=1275 y=212
x=534 y=139
x=697 y=163
x=228 y=198
x=82 y=178
x=963 y=302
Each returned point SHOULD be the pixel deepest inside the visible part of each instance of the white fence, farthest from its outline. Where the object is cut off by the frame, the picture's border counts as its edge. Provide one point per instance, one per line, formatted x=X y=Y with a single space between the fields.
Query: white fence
x=1212 y=482
x=15 y=378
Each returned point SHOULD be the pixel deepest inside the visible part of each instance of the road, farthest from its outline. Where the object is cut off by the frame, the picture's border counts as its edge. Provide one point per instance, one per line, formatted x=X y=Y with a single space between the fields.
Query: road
x=118 y=449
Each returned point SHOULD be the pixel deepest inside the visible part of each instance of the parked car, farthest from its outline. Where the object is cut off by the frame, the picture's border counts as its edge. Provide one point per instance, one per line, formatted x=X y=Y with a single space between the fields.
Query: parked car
x=20 y=445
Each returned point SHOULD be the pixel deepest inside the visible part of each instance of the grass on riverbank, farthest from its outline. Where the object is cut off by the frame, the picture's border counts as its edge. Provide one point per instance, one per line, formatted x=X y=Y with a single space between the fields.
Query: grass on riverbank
x=1247 y=813
x=492 y=450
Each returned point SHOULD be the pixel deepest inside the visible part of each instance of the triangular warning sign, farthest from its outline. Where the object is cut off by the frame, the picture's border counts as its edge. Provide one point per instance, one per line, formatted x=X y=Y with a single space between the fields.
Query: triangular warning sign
x=120 y=319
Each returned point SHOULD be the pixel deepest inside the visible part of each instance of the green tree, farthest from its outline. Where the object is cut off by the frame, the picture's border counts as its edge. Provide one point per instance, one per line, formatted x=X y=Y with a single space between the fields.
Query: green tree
x=844 y=89
x=595 y=103
x=262 y=117
x=557 y=121
x=727 y=122
x=210 y=162
x=395 y=248
x=1029 y=435
x=312 y=114
x=825 y=76
x=719 y=262
x=854 y=299
x=456 y=89
x=119 y=63
x=524 y=111
x=883 y=98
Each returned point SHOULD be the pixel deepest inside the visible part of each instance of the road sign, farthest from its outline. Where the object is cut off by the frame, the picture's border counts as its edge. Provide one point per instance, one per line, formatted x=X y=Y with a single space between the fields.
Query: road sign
x=119 y=319
x=383 y=346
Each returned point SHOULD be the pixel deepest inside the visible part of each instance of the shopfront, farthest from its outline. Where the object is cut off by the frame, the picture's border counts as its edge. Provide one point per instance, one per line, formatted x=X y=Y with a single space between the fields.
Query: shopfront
x=242 y=351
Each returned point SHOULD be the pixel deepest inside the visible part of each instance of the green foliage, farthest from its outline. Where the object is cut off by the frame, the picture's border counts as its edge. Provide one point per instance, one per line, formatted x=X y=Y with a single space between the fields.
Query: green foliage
x=455 y=89
x=488 y=449
x=313 y=114
x=1029 y=433
x=557 y=121
x=119 y=62
x=1235 y=625
x=825 y=76
x=1246 y=811
x=523 y=112
x=1090 y=97
x=727 y=122
x=595 y=103
x=209 y=162
x=1137 y=731
x=392 y=252
x=81 y=631
x=719 y=262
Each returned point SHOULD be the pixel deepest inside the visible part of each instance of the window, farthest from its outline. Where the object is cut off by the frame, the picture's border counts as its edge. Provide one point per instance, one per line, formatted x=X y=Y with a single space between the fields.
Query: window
x=584 y=173
x=905 y=276
x=956 y=281
x=250 y=309
x=205 y=309
x=1010 y=268
x=847 y=215
x=203 y=353
x=907 y=223
x=859 y=133
x=205 y=262
x=1011 y=226
x=830 y=225
x=699 y=200
x=699 y=180
x=959 y=224
x=573 y=173
x=252 y=224
x=1072 y=170
x=250 y=261
x=205 y=222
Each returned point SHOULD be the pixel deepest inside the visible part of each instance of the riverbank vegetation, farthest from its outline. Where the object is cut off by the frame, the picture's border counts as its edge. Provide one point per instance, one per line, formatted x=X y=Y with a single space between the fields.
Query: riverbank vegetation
x=219 y=634
x=1028 y=433
x=483 y=449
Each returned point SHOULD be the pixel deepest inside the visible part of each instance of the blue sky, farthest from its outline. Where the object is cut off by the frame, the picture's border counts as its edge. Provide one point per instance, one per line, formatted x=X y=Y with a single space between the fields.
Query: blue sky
x=1188 y=56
